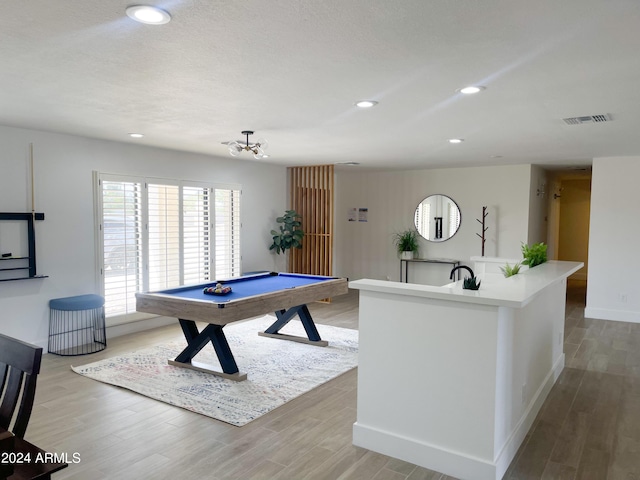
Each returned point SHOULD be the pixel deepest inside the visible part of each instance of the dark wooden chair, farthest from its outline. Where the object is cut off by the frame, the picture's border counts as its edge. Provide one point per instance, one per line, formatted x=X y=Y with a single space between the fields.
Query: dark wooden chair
x=19 y=369
x=7 y=445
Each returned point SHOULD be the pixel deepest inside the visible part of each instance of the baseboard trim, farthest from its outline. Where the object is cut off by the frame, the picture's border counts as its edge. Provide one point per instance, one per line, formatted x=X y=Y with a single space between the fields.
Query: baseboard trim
x=609 y=314
x=138 y=326
x=508 y=452
x=420 y=453
x=452 y=463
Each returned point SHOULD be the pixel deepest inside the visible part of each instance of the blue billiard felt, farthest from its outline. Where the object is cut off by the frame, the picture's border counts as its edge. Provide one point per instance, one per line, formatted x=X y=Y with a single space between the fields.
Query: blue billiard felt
x=246 y=286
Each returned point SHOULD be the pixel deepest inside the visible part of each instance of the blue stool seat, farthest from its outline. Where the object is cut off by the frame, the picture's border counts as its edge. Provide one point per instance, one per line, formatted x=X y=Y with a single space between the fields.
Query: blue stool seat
x=80 y=302
x=77 y=325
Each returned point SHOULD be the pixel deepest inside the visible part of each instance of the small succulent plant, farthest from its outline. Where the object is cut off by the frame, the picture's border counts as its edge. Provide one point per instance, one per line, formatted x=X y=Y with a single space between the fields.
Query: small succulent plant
x=471 y=283
x=509 y=270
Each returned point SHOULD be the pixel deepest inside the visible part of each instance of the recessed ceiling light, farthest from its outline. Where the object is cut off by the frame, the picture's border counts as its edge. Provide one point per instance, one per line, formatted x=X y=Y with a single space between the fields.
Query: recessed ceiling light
x=471 y=89
x=456 y=140
x=148 y=15
x=136 y=135
x=366 y=103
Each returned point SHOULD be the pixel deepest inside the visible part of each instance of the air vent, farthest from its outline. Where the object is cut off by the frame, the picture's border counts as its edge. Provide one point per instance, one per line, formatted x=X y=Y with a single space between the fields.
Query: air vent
x=588 y=119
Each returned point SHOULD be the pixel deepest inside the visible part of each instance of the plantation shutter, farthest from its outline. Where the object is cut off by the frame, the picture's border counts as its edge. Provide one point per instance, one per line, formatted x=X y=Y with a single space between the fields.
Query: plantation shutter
x=227 y=233
x=454 y=219
x=122 y=245
x=163 y=236
x=197 y=235
x=422 y=217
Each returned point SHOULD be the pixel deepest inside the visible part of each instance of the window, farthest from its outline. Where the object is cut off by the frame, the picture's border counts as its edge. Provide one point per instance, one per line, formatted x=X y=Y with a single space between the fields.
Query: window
x=121 y=245
x=421 y=220
x=454 y=219
x=197 y=236
x=227 y=233
x=163 y=227
x=156 y=234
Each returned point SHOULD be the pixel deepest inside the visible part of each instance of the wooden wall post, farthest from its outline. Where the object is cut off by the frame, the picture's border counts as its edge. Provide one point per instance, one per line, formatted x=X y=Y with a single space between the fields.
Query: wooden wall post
x=311 y=196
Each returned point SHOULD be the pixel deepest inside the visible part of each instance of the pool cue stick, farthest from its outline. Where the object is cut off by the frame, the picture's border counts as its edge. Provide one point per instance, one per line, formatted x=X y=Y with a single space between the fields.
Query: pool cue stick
x=33 y=193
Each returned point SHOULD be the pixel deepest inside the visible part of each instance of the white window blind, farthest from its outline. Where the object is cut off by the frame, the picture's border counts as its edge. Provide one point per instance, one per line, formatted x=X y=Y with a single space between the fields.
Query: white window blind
x=122 y=245
x=422 y=216
x=454 y=219
x=227 y=228
x=162 y=236
x=197 y=237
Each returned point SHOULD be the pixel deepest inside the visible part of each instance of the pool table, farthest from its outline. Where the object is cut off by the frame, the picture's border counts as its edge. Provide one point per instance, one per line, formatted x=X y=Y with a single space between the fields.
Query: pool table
x=286 y=294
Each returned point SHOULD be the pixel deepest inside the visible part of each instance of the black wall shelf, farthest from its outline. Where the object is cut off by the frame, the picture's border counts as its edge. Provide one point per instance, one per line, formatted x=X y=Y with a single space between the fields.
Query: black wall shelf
x=27 y=263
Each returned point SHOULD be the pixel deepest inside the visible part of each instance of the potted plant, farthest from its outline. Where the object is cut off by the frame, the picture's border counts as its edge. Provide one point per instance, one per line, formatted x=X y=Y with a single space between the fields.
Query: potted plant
x=534 y=255
x=290 y=232
x=406 y=243
x=509 y=271
x=471 y=283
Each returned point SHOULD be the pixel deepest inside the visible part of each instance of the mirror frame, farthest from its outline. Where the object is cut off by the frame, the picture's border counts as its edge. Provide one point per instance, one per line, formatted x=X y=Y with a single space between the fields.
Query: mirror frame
x=437 y=240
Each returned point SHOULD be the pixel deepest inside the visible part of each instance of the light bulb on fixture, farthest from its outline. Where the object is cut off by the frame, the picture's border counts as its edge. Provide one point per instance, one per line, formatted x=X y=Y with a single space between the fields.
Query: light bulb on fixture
x=366 y=103
x=148 y=15
x=471 y=89
x=258 y=148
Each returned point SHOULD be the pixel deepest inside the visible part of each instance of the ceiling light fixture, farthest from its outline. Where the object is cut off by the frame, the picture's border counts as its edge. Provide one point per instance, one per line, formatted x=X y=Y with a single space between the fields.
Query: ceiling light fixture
x=236 y=148
x=366 y=103
x=471 y=89
x=136 y=135
x=456 y=140
x=148 y=15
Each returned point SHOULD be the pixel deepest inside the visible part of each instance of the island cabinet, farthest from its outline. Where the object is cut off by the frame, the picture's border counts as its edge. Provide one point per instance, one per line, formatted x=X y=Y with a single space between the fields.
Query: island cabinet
x=452 y=379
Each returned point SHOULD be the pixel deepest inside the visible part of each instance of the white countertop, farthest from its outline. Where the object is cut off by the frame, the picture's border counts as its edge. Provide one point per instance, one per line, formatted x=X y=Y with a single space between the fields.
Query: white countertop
x=495 y=289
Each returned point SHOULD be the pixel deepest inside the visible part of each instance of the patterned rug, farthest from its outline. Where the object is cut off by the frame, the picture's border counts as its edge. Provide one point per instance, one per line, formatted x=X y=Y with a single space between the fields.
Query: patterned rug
x=277 y=371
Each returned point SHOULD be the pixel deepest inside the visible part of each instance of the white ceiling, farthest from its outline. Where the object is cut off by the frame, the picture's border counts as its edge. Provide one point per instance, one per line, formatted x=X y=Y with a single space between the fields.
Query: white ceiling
x=292 y=69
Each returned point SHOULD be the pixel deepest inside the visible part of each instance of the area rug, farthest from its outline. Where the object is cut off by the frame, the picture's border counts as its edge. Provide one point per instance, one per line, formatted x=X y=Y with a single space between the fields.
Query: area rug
x=277 y=371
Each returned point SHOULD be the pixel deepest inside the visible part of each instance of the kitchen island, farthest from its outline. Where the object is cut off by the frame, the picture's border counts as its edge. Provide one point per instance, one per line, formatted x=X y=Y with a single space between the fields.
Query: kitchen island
x=452 y=379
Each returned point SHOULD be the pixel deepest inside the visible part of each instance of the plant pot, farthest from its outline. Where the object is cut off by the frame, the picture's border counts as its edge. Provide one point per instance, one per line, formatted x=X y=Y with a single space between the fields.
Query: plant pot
x=406 y=255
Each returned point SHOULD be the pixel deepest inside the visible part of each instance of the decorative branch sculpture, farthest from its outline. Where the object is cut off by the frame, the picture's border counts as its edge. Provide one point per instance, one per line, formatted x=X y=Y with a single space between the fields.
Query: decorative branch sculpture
x=484 y=229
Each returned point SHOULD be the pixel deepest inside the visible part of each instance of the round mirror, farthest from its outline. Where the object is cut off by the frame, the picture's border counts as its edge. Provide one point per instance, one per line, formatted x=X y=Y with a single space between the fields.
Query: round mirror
x=437 y=218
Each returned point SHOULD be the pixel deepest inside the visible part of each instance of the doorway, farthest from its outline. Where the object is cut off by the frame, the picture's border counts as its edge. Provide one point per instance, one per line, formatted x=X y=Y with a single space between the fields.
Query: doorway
x=569 y=213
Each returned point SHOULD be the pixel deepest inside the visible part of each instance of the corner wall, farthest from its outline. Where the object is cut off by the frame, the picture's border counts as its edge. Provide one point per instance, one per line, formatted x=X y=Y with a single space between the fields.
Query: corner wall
x=65 y=242
x=365 y=249
x=613 y=287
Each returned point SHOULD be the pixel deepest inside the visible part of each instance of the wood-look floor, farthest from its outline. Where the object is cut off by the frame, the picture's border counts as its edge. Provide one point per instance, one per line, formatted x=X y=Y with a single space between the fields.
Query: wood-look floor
x=588 y=428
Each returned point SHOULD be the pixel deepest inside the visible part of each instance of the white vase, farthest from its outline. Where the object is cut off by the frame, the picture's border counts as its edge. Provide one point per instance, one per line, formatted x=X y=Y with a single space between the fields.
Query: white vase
x=406 y=255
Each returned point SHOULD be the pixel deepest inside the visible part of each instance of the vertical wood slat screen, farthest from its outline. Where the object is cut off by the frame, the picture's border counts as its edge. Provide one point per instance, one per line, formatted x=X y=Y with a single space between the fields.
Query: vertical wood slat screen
x=312 y=197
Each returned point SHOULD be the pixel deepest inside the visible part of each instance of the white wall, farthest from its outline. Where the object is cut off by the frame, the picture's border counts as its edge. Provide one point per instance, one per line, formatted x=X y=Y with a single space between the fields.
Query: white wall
x=538 y=205
x=613 y=287
x=365 y=250
x=64 y=192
